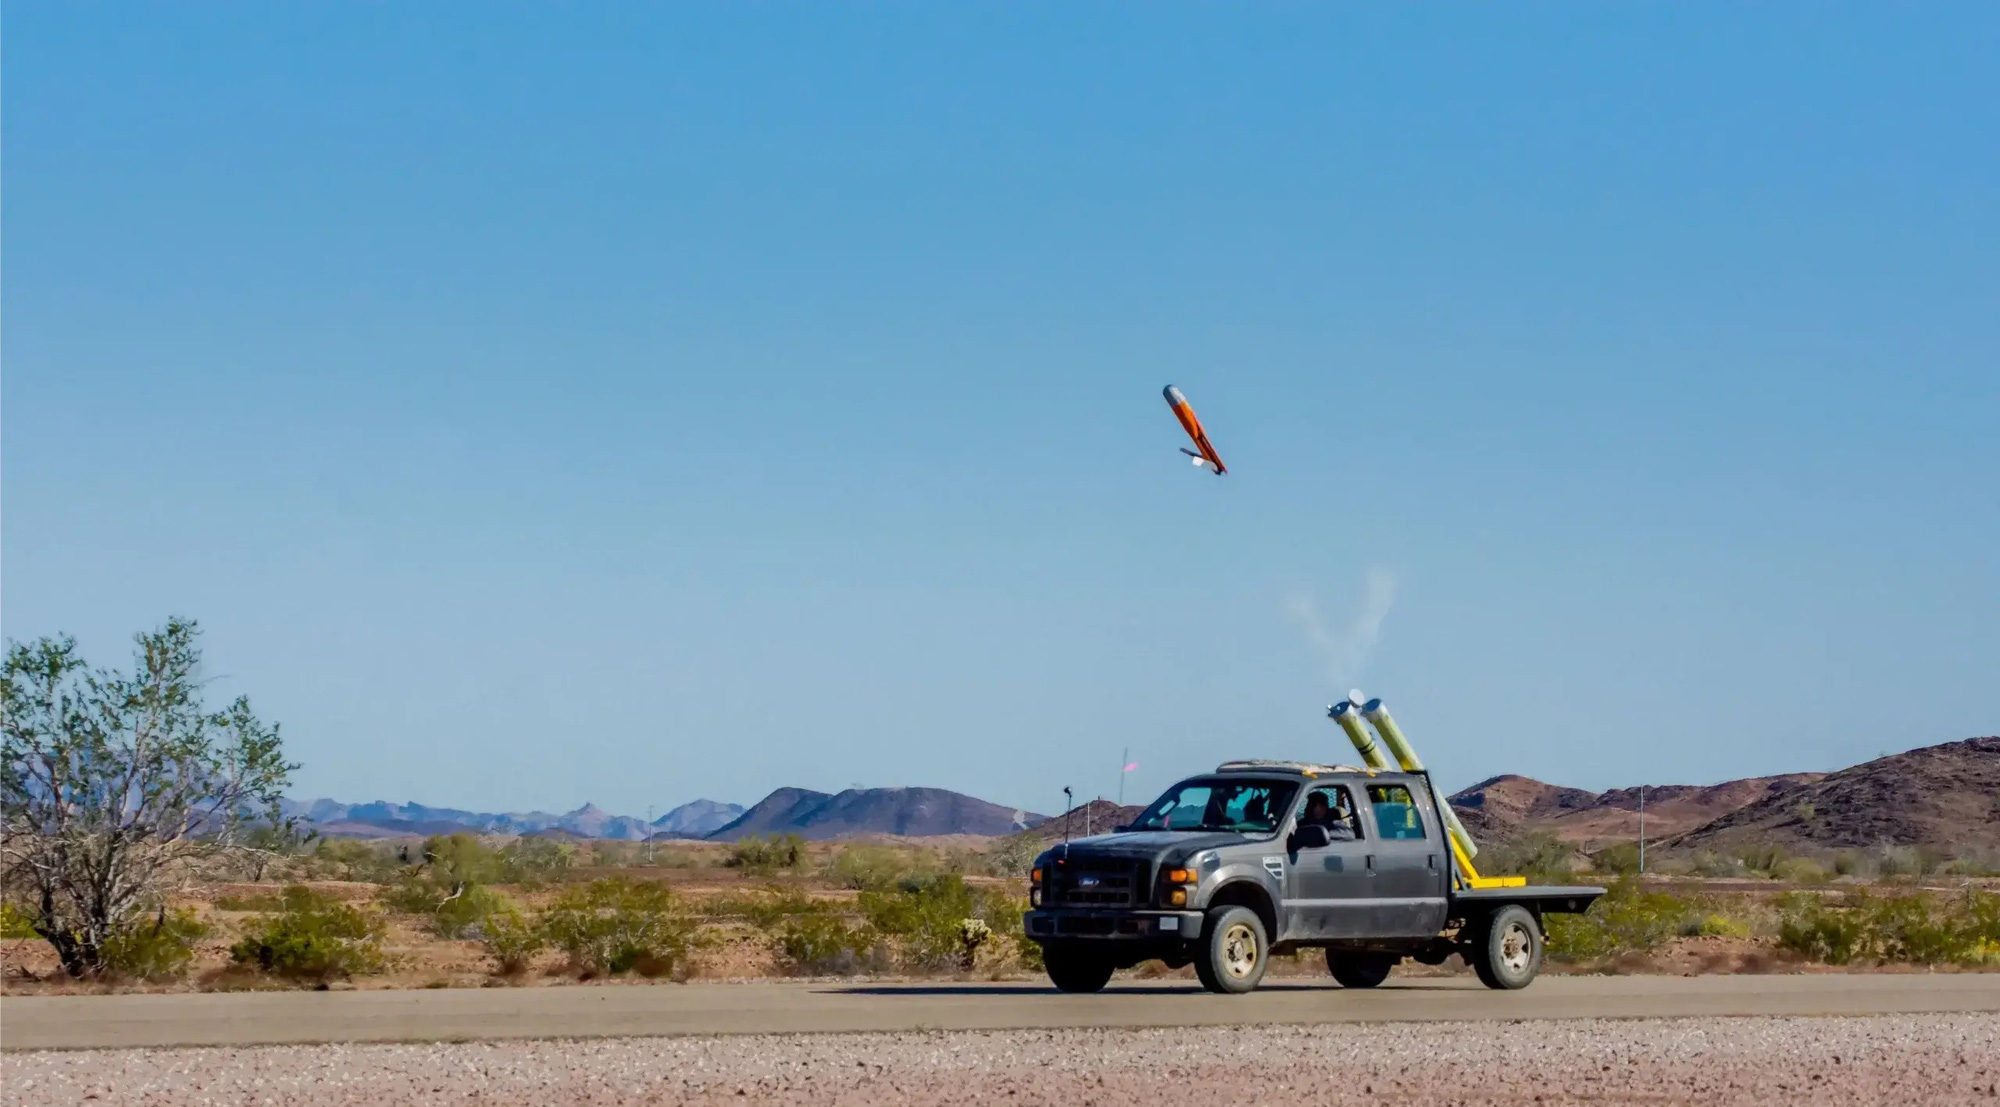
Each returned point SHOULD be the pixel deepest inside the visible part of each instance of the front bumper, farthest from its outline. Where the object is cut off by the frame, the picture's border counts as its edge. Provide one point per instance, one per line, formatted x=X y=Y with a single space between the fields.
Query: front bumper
x=1055 y=923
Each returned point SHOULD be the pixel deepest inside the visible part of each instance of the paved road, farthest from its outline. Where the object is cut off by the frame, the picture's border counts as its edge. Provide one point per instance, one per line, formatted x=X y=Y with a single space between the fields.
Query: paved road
x=85 y=1022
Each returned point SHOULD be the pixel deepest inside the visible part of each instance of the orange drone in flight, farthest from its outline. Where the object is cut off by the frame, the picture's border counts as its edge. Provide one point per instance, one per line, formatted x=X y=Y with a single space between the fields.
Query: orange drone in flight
x=1182 y=411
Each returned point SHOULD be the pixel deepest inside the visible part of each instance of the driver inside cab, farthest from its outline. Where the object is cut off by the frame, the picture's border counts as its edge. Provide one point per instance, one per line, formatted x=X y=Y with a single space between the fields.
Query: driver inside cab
x=1338 y=821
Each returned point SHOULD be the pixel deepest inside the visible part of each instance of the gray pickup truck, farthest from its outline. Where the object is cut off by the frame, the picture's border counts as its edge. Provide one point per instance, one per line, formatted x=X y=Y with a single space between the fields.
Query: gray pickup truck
x=1264 y=857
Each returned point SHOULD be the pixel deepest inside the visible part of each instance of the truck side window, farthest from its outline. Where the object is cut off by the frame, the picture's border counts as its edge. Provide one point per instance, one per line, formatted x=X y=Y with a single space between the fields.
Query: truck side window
x=1396 y=813
x=1333 y=808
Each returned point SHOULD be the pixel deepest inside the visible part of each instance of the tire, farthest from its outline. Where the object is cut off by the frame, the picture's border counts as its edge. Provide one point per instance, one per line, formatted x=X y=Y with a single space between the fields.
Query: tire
x=1234 y=951
x=1506 y=950
x=1359 y=970
x=1074 y=970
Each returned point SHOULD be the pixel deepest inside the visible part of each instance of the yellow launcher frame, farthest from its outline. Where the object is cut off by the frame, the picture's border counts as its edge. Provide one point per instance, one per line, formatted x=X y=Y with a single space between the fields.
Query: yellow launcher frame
x=1348 y=715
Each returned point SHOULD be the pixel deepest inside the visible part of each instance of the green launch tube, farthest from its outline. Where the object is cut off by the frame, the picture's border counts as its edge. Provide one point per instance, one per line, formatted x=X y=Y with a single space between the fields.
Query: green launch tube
x=1348 y=715
x=1392 y=736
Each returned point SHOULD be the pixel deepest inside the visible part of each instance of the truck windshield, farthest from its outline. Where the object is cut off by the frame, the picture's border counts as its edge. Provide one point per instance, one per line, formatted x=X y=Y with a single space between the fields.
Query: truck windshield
x=1246 y=806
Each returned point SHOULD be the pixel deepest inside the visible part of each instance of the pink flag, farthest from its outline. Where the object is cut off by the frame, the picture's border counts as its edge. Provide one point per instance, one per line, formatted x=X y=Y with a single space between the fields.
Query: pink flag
x=1132 y=766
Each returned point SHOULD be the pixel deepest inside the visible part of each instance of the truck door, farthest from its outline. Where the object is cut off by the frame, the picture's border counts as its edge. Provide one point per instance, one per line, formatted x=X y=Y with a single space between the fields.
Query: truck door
x=1408 y=860
x=1328 y=891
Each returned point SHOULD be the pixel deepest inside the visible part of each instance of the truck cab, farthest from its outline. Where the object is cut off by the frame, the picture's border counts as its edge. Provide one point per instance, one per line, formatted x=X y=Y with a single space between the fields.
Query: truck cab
x=1257 y=858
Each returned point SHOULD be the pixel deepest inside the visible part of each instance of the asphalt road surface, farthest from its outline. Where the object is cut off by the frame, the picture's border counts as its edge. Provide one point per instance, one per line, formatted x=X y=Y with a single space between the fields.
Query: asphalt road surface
x=253 y=1018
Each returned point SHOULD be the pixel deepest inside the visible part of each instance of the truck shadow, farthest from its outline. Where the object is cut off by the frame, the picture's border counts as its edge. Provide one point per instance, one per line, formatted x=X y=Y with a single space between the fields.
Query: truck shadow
x=1116 y=989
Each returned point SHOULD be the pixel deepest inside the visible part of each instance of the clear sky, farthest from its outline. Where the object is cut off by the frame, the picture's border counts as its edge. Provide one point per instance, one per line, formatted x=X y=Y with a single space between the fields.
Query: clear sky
x=544 y=403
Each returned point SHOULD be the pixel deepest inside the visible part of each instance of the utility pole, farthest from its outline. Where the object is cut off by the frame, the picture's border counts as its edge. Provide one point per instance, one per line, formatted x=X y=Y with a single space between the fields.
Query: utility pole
x=1642 y=830
x=1124 y=759
x=650 y=831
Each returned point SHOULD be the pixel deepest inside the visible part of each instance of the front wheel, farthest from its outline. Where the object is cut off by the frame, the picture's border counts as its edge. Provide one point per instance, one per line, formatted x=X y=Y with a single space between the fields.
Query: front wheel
x=1073 y=970
x=1234 y=951
x=1359 y=970
x=1506 y=951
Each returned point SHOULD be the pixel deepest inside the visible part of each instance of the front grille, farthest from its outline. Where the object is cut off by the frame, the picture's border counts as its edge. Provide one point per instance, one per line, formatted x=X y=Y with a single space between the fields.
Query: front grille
x=1095 y=882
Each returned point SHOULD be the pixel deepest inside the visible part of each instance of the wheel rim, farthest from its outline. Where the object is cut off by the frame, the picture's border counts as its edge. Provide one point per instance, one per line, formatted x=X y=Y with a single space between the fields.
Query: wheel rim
x=1517 y=948
x=1239 y=951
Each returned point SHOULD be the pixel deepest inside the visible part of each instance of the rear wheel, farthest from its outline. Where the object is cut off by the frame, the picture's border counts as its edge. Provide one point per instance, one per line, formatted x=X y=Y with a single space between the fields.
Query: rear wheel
x=1234 y=951
x=1506 y=951
x=1075 y=970
x=1359 y=970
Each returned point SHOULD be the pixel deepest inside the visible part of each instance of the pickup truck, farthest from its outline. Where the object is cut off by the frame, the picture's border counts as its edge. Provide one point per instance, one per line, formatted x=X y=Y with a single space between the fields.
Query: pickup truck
x=1259 y=858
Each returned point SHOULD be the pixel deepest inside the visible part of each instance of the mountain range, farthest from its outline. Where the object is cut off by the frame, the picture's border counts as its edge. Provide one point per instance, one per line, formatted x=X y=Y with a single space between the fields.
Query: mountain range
x=388 y=820
x=1945 y=795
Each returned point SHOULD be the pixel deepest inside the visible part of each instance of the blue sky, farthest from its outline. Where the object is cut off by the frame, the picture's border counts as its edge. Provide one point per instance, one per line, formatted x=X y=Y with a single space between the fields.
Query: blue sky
x=630 y=403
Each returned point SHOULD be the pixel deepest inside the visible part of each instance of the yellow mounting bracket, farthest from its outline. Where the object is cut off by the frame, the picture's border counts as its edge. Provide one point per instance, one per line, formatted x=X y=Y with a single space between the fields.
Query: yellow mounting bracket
x=1469 y=877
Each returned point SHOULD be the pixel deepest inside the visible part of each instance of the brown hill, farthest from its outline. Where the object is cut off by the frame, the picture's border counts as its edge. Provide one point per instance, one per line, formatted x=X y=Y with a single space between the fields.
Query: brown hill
x=1501 y=807
x=1506 y=807
x=904 y=812
x=1095 y=817
x=1946 y=796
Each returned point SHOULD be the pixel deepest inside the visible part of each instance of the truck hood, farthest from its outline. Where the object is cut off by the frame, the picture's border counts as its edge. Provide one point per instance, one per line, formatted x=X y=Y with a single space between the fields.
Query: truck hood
x=1148 y=843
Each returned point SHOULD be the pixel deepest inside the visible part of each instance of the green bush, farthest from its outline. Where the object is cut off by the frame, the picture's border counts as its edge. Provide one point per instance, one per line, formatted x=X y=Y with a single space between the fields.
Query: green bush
x=1800 y=870
x=156 y=949
x=926 y=919
x=511 y=938
x=874 y=868
x=1619 y=858
x=347 y=859
x=765 y=854
x=1920 y=928
x=1014 y=856
x=822 y=942
x=312 y=936
x=268 y=901
x=1540 y=856
x=619 y=925
x=16 y=922
x=1625 y=920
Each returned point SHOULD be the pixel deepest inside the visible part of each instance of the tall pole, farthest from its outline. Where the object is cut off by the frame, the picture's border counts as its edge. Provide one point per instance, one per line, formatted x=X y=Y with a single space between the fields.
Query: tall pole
x=1124 y=759
x=1642 y=830
x=650 y=830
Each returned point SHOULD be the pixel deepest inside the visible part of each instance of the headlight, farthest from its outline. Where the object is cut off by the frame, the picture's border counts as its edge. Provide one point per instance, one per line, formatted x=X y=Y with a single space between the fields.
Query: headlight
x=1181 y=876
x=1177 y=898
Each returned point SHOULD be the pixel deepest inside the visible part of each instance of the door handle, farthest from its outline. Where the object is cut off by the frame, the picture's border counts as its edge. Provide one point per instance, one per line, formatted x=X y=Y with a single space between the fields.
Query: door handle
x=1431 y=861
x=1371 y=864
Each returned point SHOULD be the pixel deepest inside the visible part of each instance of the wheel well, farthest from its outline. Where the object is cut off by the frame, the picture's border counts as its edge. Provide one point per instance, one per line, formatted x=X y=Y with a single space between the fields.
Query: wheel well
x=1243 y=893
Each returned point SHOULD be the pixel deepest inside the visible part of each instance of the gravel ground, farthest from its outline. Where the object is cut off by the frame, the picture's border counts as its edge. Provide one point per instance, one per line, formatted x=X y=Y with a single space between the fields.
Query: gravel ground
x=1933 y=1060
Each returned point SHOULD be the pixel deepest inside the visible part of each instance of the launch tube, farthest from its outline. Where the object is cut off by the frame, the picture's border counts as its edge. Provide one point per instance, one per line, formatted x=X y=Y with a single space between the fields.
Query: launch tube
x=1392 y=736
x=1348 y=715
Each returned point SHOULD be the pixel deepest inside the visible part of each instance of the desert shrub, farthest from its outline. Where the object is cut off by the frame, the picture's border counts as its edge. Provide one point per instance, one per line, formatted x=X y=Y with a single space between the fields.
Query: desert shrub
x=312 y=936
x=768 y=853
x=159 y=948
x=618 y=925
x=449 y=889
x=264 y=901
x=1013 y=856
x=15 y=922
x=533 y=861
x=1850 y=863
x=347 y=859
x=766 y=908
x=926 y=920
x=1714 y=925
x=1893 y=861
x=1800 y=870
x=1541 y=857
x=1710 y=863
x=1762 y=858
x=874 y=867
x=822 y=942
x=1918 y=927
x=1618 y=858
x=511 y=937
x=1625 y=920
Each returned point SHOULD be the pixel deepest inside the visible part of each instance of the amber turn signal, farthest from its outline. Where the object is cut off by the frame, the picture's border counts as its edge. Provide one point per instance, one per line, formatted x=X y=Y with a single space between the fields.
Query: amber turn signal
x=1180 y=876
x=1035 y=875
x=1177 y=897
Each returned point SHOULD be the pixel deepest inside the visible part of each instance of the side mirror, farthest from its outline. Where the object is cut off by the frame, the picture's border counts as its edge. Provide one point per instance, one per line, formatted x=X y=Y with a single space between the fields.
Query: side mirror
x=1310 y=836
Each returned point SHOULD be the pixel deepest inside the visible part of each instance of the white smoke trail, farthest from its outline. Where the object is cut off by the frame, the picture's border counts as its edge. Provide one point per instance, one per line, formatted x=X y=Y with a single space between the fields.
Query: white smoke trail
x=1346 y=652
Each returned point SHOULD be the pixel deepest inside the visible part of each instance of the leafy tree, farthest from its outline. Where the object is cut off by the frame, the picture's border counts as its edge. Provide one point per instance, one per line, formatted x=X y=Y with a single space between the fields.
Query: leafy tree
x=111 y=784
